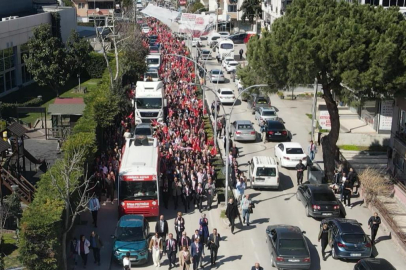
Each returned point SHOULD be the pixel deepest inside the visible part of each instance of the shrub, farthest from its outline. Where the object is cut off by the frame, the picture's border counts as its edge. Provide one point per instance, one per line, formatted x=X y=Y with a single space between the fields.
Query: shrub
x=96 y=66
x=374 y=184
x=10 y=109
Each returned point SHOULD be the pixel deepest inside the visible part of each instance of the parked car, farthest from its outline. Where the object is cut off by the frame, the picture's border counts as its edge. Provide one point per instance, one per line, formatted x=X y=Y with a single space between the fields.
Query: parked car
x=373 y=264
x=265 y=114
x=256 y=101
x=205 y=55
x=144 y=129
x=349 y=239
x=224 y=34
x=226 y=95
x=319 y=201
x=131 y=235
x=243 y=130
x=225 y=61
x=231 y=66
x=288 y=247
x=238 y=38
x=216 y=75
x=276 y=131
x=289 y=154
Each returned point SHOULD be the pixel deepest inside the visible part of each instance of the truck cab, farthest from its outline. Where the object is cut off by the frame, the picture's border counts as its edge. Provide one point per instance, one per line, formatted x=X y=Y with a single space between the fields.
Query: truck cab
x=149 y=102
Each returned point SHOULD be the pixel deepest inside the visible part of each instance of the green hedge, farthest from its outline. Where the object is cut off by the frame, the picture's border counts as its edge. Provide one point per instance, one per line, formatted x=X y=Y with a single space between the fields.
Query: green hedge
x=96 y=66
x=10 y=109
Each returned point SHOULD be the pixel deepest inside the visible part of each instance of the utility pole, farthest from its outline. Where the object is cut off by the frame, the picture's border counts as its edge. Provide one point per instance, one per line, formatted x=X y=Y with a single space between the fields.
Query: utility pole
x=314 y=107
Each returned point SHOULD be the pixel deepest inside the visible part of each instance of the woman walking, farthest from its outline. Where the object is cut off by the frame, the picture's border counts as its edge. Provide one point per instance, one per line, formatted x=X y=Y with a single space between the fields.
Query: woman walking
x=204 y=228
x=83 y=249
x=184 y=259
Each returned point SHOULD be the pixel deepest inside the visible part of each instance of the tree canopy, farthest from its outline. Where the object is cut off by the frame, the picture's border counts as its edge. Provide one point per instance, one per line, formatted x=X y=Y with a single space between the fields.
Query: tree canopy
x=196 y=6
x=359 y=46
x=251 y=10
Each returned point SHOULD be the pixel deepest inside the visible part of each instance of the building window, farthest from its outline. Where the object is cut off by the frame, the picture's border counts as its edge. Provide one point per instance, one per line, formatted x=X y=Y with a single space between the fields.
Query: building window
x=81 y=5
x=7 y=69
x=399 y=162
x=232 y=8
x=390 y=3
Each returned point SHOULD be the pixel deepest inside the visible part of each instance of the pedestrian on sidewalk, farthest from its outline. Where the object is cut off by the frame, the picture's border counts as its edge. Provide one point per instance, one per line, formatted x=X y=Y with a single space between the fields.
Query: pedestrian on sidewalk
x=161 y=227
x=127 y=261
x=257 y=267
x=74 y=250
x=325 y=237
x=373 y=224
x=219 y=128
x=204 y=228
x=110 y=188
x=155 y=246
x=214 y=244
x=299 y=169
x=312 y=150
x=246 y=207
x=343 y=179
x=347 y=192
x=83 y=246
x=210 y=190
x=199 y=196
x=179 y=226
x=184 y=258
x=232 y=213
x=171 y=248
x=213 y=107
x=235 y=152
x=196 y=251
x=240 y=188
x=353 y=178
x=96 y=244
x=94 y=207
x=223 y=124
x=241 y=53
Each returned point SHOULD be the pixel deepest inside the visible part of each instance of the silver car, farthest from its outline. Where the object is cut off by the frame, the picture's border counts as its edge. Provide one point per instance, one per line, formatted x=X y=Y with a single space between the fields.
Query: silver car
x=266 y=114
x=216 y=75
x=243 y=130
x=144 y=129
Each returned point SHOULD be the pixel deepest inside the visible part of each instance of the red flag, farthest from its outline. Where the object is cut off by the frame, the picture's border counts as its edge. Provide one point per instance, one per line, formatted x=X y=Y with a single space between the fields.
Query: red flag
x=213 y=151
x=165 y=129
x=211 y=142
x=154 y=122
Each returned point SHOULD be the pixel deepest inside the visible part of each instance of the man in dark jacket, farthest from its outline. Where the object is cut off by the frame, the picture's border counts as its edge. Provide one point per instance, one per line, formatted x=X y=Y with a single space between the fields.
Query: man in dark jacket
x=214 y=244
x=232 y=213
x=300 y=168
x=161 y=227
x=373 y=224
x=171 y=249
x=96 y=244
x=235 y=152
x=257 y=267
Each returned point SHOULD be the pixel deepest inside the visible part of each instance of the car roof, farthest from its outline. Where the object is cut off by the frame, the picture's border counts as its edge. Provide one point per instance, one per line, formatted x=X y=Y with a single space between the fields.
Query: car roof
x=274 y=123
x=232 y=61
x=218 y=70
x=377 y=264
x=287 y=231
x=243 y=122
x=143 y=125
x=267 y=109
x=131 y=221
x=225 y=89
x=319 y=188
x=291 y=145
x=348 y=225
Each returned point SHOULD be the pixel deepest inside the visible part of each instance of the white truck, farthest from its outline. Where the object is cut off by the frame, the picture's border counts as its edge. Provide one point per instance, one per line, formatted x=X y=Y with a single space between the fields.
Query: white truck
x=149 y=102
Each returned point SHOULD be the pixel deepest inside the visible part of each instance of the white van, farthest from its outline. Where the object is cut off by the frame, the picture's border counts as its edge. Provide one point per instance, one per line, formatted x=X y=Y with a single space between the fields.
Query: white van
x=153 y=61
x=213 y=39
x=225 y=48
x=263 y=172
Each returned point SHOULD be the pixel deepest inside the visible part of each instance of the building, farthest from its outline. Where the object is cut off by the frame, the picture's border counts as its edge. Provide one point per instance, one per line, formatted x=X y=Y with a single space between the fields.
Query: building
x=90 y=10
x=16 y=28
x=397 y=154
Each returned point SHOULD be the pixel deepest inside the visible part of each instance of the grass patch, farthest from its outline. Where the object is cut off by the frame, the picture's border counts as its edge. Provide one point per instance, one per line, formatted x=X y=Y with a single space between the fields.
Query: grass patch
x=10 y=250
x=223 y=214
x=309 y=115
x=350 y=147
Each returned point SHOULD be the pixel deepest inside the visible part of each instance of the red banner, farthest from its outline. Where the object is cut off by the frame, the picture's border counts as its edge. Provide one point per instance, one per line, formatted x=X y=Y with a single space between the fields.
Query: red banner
x=139 y=177
x=182 y=2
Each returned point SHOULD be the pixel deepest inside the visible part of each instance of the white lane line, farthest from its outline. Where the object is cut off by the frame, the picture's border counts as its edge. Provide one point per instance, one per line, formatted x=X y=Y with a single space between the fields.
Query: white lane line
x=253 y=245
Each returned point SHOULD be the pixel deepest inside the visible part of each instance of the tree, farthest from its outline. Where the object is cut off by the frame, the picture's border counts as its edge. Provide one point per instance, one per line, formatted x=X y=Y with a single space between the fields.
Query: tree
x=46 y=60
x=251 y=9
x=359 y=46
x=197 y=5
x=374 y=184
x=77 y=53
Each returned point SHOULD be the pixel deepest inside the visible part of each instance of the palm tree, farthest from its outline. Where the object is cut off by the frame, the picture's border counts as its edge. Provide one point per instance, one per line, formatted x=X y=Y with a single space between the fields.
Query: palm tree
x=251 y=9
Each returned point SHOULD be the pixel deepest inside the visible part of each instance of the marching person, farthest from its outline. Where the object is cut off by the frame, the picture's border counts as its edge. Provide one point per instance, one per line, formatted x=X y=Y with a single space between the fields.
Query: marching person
x=161 y=227
x=246 y=207
x=196 y=250
x=184 y=259
x=325 y=237
x=204 y=228
x=232 y=213
x=312 y=150
x=177 y=191
x=300 y=168
x=214 y=244
x=186 y=197
x=95 y=244
x=127 y=261
x=155 y=245
x=171 y=248
x=241 y=53
x=83 y=246
x=94 y=206
x=373 y=224
x=179 y=226
x=210 y=189
x=199 y=195
x=184 y=241
x=347 y=192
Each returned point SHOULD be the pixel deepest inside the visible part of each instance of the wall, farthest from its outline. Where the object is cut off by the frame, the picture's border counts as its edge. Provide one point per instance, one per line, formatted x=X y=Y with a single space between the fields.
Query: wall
x=360 y=139
x=68 y=20
x=8 y=7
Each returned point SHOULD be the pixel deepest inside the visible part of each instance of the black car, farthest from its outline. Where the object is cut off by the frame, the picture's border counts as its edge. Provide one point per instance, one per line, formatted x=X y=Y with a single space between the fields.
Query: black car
x=238 y=38
x=276 y=131
x=373 y=264
x=288 y=247
x=319 y=201
x=349 y=240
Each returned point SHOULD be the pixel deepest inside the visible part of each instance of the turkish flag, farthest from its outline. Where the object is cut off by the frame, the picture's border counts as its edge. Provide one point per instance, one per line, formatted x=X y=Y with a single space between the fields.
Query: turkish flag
x=165 y=129
x=154 y=122
x=213 y=151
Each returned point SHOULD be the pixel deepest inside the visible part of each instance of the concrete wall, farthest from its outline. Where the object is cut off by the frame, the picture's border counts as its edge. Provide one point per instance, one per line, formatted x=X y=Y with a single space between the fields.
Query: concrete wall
x=8 y=7
x=360 y=139
x=68 y=20
x=18 y=31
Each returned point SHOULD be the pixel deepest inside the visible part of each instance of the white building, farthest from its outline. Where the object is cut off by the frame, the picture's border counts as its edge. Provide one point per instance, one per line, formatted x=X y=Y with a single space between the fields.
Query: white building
x=16 y=28
x=228 y=8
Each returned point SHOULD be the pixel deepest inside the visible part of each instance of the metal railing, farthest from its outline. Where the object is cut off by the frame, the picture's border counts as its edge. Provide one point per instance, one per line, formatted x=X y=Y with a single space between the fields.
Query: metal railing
x=25 y=188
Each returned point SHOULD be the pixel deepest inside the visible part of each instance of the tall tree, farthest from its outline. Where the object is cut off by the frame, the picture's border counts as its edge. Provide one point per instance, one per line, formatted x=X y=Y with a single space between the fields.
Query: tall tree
x=46 y=60
x=77 y=53
x=359 y=46
x=251 y=10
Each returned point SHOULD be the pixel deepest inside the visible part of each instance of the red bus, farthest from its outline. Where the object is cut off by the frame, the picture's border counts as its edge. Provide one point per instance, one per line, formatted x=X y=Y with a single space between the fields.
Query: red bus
x=138 y=188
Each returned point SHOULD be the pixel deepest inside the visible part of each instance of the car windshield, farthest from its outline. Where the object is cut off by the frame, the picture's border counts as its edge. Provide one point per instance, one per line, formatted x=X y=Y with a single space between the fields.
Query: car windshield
x=149 y=103
x=262 y=101
x=294 y=151
x=226 y=46
x=129 y=234
x=353 y=238
x=153 y=48
x=324 y=197
x=287 y=245
x=152 y=61
x=275 y=124
x=233 y=64
x=215 y=38
x=205 y=52
x=217 y=72
x=262 y=171
x=138 y=190
x=153 y=75
x=244 y=126
x=268 y=113
x=142 y=131
x=226 y=92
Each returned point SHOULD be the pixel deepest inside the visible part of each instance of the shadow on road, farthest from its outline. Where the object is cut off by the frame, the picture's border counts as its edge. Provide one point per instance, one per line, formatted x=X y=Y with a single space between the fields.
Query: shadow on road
x=314 y=255
x=285 y=182
x=274 y=197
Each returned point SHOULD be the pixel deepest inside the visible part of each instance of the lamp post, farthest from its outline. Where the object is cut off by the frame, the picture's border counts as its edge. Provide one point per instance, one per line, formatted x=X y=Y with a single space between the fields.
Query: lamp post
x=79 y=81
x=314 y=106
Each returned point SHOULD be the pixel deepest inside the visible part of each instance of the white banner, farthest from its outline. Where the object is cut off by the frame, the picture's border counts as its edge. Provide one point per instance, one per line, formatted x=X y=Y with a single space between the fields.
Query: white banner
x=385 y=119
x=324 y=120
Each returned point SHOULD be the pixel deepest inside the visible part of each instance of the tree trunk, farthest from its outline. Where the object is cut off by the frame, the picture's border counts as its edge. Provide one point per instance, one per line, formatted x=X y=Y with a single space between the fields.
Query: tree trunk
x=64 y=234
x=329 y=142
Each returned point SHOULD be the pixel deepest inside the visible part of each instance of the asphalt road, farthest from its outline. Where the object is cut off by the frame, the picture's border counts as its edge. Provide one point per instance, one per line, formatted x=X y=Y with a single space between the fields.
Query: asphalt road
x=247 y=246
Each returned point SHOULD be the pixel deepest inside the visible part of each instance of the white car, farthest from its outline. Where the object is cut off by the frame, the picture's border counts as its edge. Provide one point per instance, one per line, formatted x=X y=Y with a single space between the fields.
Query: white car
x=225 y=61
x=195 y=42
x=217 y=76
x=288 y=154
x=231 y=66
x=266 y=113
x=226 y=95
x=224 y=35
x=145 y=29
